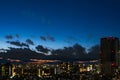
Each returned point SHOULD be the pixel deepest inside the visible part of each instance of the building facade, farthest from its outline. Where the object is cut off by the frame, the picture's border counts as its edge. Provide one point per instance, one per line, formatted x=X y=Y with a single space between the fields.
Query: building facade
x=109 y=59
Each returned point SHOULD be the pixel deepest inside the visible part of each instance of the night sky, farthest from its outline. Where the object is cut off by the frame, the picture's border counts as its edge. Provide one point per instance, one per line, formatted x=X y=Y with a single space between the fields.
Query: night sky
x=59 y=23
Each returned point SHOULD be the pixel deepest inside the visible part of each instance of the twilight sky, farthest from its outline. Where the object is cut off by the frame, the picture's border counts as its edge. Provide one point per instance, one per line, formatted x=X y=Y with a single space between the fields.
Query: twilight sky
x=65 y=21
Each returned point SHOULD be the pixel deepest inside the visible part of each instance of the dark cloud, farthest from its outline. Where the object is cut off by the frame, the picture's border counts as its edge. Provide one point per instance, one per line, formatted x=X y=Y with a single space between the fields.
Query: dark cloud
x=25 y=45
x=43 y=38
x=29 y=41
x=74 y=52
x=18 y=44
x=24 y=54
x=70 y=53
x=94 y=51
x=9 y=37
x=79 y=50
x=42 y=49
x=49 y=37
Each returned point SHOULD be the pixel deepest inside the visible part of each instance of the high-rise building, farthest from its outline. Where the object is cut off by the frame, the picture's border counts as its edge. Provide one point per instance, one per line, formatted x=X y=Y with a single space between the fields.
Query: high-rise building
x=109 y=59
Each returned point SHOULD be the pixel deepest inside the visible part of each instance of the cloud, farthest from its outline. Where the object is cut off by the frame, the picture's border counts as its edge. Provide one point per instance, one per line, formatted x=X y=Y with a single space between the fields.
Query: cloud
x=24 y=44
x=9 y=37
x=49 y=37
x=74 y=52
x=94 y=51
x=70 y=53
x=29 y=41
x=17 y=43
x=43 y=38
x=42 y=49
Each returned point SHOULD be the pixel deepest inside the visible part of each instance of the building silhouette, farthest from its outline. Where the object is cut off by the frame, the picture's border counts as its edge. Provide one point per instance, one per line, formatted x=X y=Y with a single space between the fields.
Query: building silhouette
x=109 y=59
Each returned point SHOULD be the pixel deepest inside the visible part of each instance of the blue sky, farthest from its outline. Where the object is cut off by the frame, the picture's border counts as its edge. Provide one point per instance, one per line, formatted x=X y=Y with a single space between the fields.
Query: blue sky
x=68 y=21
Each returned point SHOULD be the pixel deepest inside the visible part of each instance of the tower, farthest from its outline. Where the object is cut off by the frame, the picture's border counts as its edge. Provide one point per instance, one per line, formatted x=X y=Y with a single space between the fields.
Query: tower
x=108 y=55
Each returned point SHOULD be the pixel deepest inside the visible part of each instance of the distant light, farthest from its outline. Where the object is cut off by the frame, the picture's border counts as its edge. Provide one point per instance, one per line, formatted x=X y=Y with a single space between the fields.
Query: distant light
x=113 y=51
x=112 y=64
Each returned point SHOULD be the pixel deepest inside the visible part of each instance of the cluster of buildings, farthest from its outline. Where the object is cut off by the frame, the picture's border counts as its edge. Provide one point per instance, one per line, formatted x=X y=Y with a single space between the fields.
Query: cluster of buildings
x=62 y=69
x=108 y=63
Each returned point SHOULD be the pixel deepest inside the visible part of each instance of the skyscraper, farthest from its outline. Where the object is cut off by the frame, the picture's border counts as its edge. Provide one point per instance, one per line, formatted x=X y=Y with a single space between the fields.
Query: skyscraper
x=109 y=59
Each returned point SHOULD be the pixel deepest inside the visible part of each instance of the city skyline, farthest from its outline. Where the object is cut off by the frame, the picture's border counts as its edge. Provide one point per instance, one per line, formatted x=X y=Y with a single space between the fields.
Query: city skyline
x=56 y=24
